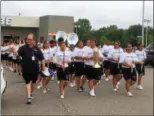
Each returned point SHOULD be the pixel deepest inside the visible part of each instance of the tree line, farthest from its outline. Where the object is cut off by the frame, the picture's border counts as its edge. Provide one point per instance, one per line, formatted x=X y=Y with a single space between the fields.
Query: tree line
x=112 y=33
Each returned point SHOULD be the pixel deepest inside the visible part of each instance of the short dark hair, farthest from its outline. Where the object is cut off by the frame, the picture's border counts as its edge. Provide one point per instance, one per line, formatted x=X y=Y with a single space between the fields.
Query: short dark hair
x=93 y=39
x=60 y=39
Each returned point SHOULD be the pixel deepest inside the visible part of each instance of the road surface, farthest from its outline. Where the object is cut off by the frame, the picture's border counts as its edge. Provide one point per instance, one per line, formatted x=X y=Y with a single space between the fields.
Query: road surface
x=106 y=101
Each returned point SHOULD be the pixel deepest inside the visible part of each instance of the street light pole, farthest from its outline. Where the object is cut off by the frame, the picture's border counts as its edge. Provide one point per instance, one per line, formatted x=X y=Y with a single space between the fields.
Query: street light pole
x=146 y=21
x=143 y=23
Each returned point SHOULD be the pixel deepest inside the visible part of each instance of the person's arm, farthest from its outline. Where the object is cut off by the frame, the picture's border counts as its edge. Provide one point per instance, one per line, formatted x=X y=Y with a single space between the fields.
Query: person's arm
x=20 y=51
x=41 y=58
x=100 y=56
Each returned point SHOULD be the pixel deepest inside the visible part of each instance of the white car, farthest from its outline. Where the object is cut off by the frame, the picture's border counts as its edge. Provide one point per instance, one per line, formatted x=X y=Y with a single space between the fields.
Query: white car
x=3 y=82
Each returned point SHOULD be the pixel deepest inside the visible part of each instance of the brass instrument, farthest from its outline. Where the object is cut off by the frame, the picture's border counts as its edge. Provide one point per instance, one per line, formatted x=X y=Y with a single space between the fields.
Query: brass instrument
x=96 y=58
x=72 y=39
x=61 y=34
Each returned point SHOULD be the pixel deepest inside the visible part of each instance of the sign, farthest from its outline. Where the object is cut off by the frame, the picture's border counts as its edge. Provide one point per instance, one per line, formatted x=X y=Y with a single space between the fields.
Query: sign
x=51 y=34
x=6 y=21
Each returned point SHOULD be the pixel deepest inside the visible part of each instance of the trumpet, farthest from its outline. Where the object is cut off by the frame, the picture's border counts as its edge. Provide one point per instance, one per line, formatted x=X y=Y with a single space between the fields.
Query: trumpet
x=96 y=58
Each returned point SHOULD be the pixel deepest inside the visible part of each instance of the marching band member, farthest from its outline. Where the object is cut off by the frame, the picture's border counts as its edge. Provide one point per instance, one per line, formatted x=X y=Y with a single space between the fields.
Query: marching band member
x=93 y=74
x=63 y=58
x=7 y=54
x=106 y=64
x=11 y=45
x=72 y=66
x=113 y=57
x=47 y=53
x=141 y=56
x=79 y=64
x=3 y=53
x=14 y=56
x=84 y=78
x=128 y=61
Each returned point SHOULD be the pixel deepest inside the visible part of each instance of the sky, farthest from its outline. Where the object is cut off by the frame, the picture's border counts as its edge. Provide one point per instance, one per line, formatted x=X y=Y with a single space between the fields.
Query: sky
x=100 y=13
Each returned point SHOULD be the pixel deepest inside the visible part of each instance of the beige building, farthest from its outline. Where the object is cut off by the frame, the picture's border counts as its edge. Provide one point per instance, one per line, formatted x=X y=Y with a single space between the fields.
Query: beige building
x=17 y=27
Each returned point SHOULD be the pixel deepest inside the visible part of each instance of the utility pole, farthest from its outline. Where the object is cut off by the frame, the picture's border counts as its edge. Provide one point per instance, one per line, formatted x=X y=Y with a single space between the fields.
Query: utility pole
x=143 y=22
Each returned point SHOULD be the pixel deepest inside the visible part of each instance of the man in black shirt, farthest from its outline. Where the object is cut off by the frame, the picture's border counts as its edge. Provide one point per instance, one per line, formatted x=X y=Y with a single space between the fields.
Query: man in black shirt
x=31 y=55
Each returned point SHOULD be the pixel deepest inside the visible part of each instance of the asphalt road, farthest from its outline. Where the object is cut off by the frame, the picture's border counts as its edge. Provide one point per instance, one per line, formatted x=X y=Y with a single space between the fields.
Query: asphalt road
x=106 y=101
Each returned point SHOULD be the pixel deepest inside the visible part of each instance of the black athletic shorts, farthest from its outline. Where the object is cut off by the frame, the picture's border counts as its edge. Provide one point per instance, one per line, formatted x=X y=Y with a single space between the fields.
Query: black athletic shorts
x=128 y=74
x=10 y=59
x=53 y=66
x=114 y=68
x=72 y=68
x=2 y=56
x=79 y=68
x=140 y=69
x=93 y=73
x=106 y=64
x=28 y=77
x=62 y=74
x=6 y=57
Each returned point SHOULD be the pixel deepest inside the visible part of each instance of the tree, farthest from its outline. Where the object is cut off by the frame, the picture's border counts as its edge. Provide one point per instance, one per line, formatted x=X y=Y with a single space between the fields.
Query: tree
x=112 y=33
x=85 y=28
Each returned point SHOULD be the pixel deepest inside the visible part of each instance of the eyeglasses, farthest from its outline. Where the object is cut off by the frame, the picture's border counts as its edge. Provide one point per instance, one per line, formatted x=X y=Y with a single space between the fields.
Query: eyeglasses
x=30 y=39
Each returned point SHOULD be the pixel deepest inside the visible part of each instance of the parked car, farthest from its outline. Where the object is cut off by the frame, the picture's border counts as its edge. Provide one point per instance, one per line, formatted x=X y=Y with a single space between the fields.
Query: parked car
x=3 y=81
x=150 y=54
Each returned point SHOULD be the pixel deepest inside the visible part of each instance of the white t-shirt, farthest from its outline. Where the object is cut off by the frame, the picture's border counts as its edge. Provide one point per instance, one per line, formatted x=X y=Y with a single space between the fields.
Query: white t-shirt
x=6 y=49
x=2 y=50
x=85 y=48
x=89 y=53
x=128 y=58
x=141 y=55
x=11 y=53
x=115 y=53
x=57 y=48
x=78 y=52
x=16 y=47
x=47 y=53
x=72 y=53
x=61 y=57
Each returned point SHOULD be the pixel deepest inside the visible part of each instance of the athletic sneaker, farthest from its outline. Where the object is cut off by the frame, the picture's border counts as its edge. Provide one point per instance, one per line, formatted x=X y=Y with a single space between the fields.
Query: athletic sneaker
x=115 y=89
x=31 y=96
x=79 y=90
x=58 y=82
x=29 y=101
x=71 y=85
x=62 y=96
x=139 y=87
x=92 y=93
x=44 y=91
x=82 y=88
x=118 y=83
x=129 y=94
x=39 y=86
x=117 y=86
x=106 y=79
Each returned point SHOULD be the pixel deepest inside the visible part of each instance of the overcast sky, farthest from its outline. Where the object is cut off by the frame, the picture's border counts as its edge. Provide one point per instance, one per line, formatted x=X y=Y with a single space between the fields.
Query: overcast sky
x=100 y=13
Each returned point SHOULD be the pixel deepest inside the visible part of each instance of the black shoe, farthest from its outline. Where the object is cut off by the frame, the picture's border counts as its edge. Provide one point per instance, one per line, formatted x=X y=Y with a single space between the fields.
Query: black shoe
x=19 y=73
x=14 y=71
x=83 y=89
x=29 y=101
